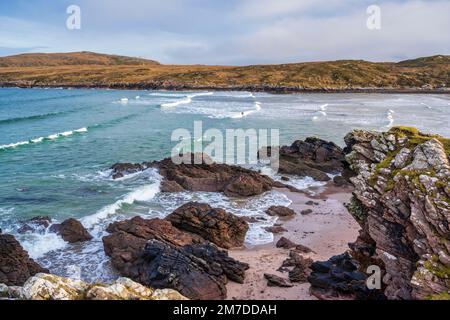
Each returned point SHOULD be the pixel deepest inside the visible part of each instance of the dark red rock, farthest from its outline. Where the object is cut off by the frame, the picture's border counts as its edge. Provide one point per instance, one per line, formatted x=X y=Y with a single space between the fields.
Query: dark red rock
x=71 y=230
x=15 y=264
x=275 y=229
x=276 y=281
x=280 y=211
x=157 y=254
x=216 y=225
x=233 y=181
x=288 y=244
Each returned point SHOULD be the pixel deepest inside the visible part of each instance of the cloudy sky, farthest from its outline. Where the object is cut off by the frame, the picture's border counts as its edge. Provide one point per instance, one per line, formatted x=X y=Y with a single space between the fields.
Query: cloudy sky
x=229 y=31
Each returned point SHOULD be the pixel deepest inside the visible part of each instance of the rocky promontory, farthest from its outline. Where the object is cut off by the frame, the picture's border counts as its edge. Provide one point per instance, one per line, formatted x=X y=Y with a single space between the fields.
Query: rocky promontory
x=402 y=201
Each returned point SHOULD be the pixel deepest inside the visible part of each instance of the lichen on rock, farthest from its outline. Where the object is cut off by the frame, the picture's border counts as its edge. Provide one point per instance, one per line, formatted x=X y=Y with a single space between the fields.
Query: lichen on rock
x=401 y=186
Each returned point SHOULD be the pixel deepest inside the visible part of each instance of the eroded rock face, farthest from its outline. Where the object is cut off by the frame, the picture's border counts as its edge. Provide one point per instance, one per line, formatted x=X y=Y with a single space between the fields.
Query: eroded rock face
x=402 y=202
x=44 y=286
x=15 y=264
x=206 y=176
x=339 y=279
x=169 y=266
x=313 y=157
x=71 y=230
x=157 y=254
x=216 y=225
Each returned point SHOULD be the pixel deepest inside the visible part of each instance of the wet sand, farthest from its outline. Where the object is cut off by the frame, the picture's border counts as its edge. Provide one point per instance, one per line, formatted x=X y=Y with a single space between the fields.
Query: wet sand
x=327 y=231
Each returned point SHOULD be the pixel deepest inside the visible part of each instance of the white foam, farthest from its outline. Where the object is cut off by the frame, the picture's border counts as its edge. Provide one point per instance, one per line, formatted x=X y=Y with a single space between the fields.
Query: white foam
x=124 y=100
x=39 y=244
x=137 y=97
x=324 y=107
x=186 y=100
x=390 y=118
x=143 y=193
x=53 y=136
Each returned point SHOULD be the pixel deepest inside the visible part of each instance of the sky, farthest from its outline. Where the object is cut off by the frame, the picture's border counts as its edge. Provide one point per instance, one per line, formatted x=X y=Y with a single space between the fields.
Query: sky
x=229 y=32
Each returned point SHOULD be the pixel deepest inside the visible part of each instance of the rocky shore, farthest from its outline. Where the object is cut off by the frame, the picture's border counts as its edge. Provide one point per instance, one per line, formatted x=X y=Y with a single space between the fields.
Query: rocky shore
x=388 y=206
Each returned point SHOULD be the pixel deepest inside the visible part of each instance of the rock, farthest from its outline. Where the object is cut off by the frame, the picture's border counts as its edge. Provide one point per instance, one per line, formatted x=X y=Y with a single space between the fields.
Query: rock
x=126 y=289
x=233 y=269
x=166 y=266
x=306 y=211
x=119 y=170
x=276 y=281
x=157 y=254
x=402 y=206
x=275 y=229
x=309 y=203
x=171 y=186
x=339 y=279
x=4 y=291
x=313 y=157
x=301 y=267
x=216 y=225
x=280 y=211
x=36 y=224
x=128 y=238
x=71 y=230
x=15 y=264
x=233 y=181
x=51 y=287
x=288 y=244
x=340 y=181
x=283 y=178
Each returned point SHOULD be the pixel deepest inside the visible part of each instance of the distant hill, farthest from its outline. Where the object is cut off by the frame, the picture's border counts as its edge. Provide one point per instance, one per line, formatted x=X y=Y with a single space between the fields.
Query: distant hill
x=87 y=69
x=70 y=59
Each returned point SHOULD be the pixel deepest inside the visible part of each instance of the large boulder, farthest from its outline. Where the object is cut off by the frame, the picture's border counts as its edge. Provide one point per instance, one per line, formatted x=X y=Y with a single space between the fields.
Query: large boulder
x=128 y=238
x=216 y=225
x=15 y=264
x=71 y=230
x=157 y=254
x=206 y=176
x=280 y=211
x=401 y=200
x=44 y=286
x=313 y=157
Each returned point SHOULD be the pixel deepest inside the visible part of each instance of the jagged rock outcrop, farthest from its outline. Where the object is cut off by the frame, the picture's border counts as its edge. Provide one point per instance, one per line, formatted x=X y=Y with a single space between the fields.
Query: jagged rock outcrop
x=15 y=264
x=71 y=230
x=205 y=176
x=156 y=253
x=313 y=157
x=216 y=225
x=402 y=201
x=339 y=279
x=44 y=286
x=36 y=224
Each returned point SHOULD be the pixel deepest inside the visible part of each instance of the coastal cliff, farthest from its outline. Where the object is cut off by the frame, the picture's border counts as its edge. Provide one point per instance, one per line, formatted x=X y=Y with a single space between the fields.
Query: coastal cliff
x=402 y=201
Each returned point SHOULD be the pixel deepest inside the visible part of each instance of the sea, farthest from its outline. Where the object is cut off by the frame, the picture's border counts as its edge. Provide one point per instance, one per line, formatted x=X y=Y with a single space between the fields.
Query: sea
x=57 y=145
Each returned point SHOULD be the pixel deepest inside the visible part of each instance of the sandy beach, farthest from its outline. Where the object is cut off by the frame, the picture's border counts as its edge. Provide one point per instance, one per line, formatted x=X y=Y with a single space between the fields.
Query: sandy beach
x=326 y=230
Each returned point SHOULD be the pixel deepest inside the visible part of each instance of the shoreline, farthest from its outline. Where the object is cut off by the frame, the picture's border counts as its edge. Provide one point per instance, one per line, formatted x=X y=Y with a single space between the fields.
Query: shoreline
x=327 y=231
x=249 y=88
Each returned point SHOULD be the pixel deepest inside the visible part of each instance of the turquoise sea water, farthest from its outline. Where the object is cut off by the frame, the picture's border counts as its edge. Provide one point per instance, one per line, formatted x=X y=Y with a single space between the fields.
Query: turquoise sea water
x=56 y=147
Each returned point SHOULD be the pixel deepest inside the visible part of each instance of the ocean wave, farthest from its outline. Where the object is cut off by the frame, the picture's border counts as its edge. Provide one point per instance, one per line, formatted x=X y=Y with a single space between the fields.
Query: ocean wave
x=142 y=193
x=30 y=118
x=186 y=100
x=42 y=139
x=390 y=118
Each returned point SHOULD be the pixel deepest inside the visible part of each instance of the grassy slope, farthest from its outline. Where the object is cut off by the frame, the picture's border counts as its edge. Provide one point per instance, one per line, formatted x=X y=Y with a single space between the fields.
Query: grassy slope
x=89 y=69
